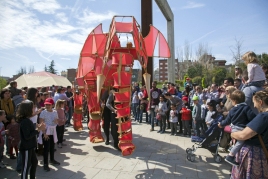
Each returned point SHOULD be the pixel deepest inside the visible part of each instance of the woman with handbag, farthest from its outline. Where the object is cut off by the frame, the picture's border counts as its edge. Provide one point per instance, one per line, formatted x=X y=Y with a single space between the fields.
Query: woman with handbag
x=252 y=157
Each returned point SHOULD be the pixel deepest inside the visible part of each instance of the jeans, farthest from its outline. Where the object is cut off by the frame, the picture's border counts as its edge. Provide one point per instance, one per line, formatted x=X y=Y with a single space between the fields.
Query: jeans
x=163 y=123
x=198 y=124
x=186 y=127
x=254 y=83
x=137 y=117
x=239 y=143
x=152 y=112
x=69 y=115
x=141 y=114
x=60 y=132
x=19 y=161
x=134 y=109
x=173 y=127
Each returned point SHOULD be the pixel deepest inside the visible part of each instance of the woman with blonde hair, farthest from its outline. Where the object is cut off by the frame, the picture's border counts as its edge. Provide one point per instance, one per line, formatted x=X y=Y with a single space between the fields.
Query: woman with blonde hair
x=228 y=104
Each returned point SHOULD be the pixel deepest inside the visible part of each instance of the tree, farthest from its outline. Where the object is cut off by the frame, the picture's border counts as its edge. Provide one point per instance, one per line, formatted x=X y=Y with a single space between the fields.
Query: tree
x=45 y=68
x=219 y=74
x=3 y=83
x=31 y=69
x=263 y=58
x=236 y=51
x=51 y=68
x=195 y=70
x=22 y=71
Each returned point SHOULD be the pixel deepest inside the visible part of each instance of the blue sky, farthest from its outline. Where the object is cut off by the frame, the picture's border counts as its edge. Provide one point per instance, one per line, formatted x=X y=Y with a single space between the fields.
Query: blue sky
x=34 y=32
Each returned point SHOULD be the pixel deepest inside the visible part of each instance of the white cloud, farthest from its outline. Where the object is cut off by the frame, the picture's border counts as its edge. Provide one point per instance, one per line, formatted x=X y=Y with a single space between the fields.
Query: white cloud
x=43 y=6
x=62 y=17
x=89 y=17
x=65 y=58
x=191 y=5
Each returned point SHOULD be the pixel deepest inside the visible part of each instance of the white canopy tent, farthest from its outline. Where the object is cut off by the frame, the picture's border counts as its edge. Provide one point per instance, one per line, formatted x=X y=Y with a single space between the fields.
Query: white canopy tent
x=41 y=79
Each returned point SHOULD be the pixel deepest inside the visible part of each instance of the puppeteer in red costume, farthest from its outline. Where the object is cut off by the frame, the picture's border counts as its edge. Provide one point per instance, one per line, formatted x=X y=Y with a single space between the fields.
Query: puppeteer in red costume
x=105 y=64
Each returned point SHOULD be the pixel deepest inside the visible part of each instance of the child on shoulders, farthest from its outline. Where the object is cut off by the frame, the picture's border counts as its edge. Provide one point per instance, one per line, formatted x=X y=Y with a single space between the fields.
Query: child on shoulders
x=256 y=76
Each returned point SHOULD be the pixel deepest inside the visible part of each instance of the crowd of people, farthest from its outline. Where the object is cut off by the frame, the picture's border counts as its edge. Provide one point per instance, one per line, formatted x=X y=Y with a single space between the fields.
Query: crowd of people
x=241 y=101
x=32 y=121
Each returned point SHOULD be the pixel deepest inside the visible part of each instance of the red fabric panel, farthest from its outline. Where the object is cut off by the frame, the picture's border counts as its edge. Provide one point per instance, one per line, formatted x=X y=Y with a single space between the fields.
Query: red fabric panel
x=80 y=81
x=163 y=46
x=150 y=41
x=100 y=40
x=88 y=45
x=125 y=80
x=98 y=29
x=98 y=65
x=124 y=27
x=126 y=59
x=122 y=97
x=86 y=65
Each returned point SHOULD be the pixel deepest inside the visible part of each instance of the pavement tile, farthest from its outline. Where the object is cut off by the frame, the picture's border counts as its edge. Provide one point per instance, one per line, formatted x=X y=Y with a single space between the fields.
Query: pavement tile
x=126 y=165
x=106 y=174
x=107 y=163
x=85 y=173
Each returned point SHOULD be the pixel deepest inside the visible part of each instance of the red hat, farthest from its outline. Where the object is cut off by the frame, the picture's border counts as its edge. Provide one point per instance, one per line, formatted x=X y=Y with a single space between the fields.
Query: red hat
x=185 y=98
x=49 y=101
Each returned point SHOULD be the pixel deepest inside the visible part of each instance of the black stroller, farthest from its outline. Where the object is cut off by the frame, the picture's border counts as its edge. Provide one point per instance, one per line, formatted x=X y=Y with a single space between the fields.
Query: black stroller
x=211 y=142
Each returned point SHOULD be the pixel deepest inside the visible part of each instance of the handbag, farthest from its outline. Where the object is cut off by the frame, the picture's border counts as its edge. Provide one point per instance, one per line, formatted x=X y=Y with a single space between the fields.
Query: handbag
x=263 y=147
x=158 y=116
x=228 y=129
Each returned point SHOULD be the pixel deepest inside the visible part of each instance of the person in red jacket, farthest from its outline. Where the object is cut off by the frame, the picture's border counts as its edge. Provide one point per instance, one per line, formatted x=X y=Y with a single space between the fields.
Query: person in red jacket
x=186 y=117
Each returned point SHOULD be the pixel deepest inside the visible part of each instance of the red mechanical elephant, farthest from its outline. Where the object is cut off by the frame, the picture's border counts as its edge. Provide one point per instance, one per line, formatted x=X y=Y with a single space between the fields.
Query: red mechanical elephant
x=104 y=63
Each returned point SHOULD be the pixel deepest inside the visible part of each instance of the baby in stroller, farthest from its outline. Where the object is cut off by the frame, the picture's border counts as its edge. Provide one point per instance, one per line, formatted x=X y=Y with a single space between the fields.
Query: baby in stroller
x=213 y=134
x=238 y=117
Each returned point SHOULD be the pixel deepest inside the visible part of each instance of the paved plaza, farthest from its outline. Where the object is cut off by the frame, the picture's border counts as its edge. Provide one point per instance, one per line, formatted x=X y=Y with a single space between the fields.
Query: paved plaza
x=157 y=156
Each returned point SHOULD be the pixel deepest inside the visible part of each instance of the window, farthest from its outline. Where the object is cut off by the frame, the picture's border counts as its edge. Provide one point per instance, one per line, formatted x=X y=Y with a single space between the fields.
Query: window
x=161 y=76
x=161 y=63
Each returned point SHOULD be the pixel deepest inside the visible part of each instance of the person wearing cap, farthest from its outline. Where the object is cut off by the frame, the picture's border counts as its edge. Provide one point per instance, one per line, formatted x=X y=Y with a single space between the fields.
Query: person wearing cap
x=196 y=114
x=48 y=137
x=188 y=82
x=238 y=72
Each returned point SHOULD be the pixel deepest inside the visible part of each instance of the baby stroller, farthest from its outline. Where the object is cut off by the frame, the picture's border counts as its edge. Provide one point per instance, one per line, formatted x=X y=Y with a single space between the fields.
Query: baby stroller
x=214 y=133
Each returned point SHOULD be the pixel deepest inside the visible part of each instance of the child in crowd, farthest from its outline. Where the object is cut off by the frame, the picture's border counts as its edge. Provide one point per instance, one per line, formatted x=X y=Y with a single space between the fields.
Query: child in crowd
x=211 y=112
x=61 y=121
x=196 y=114
x=2 y=138
x=161 y=111
x=204 y=111
x=13 y=136
x=28 y=138
x=173 y=119
x=256 y=76
x=186 y=116
x=239 y=116
x=48 y=137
